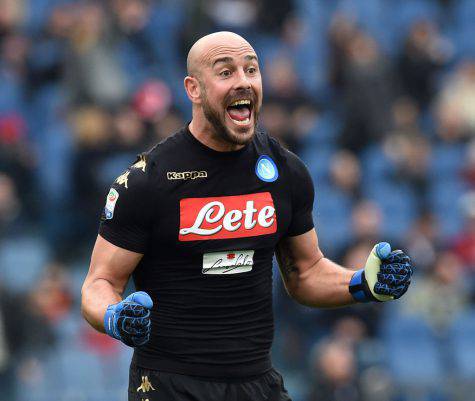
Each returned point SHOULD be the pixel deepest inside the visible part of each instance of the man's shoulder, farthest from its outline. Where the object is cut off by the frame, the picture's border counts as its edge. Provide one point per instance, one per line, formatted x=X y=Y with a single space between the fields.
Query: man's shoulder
x=163 y=148
x=159 y=153
x=267 y=143
x=145 y=171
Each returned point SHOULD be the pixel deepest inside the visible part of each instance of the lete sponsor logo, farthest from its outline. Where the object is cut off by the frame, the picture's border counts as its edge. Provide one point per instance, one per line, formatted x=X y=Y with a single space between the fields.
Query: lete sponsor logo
x=227 y=217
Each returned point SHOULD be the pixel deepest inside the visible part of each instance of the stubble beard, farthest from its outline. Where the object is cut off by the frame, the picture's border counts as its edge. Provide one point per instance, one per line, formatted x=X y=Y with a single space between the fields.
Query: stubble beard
x=219 y=127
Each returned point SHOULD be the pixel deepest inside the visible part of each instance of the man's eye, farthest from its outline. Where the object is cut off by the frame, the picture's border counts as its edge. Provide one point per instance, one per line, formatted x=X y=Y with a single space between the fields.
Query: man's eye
x=225 y=73
x=252 y=70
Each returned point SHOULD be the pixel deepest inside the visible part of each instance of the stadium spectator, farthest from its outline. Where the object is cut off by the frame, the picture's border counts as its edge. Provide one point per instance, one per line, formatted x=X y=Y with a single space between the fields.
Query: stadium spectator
x=93 y=135
x=12 y=14
x=456 y=104
x=17 y=160
x=366 y=220
x=367 y=90
x=334 y=374
x=424 y=54
x=469 y=168
x=342 y=30
x=92 y=71
x=25 y=336
x=345 y=171
x=131 y=16
x=169 y=123
x=441 y=294
x=10 y=206
x=464 y=242
x=422 y=241
x=51 y=299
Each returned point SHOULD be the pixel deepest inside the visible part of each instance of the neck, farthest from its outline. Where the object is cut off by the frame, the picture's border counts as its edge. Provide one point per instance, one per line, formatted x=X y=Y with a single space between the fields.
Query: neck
x=204 y=132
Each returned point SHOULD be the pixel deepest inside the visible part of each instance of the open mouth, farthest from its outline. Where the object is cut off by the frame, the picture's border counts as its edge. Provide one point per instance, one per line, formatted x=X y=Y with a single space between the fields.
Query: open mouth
x=240 y=111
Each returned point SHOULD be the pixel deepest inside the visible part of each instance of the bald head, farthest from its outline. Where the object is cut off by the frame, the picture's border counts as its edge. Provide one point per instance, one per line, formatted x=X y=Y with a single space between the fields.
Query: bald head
x=225 y=87
x=206 y=48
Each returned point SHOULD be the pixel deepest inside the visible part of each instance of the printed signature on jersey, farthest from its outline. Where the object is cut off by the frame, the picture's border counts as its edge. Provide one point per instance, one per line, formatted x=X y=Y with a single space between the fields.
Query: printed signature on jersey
x=228 y=262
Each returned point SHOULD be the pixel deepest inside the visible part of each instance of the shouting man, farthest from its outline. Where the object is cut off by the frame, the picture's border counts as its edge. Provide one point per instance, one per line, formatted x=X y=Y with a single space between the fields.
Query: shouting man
x=196 y=221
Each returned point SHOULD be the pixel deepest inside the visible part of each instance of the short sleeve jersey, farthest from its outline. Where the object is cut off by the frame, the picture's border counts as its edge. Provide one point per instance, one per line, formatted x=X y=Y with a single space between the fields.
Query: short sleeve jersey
x=207 y=223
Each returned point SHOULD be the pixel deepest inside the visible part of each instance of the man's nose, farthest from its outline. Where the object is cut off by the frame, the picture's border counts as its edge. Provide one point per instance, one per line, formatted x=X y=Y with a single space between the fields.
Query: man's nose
x=242 y=80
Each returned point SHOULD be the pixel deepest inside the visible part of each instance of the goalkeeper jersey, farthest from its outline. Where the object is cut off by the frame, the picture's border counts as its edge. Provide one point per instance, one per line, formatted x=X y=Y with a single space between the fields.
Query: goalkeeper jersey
x=207 y=224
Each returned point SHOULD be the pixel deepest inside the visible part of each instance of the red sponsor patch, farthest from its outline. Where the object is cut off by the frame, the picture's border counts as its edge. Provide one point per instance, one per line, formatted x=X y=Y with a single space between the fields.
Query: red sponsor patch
x=226 y=217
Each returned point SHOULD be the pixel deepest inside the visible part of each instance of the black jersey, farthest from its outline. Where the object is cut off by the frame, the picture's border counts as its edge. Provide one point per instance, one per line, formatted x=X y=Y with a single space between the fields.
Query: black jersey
x=207 y=223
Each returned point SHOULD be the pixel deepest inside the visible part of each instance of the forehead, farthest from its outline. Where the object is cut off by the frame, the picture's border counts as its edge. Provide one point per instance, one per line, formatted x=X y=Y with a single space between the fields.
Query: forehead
x=214 y=53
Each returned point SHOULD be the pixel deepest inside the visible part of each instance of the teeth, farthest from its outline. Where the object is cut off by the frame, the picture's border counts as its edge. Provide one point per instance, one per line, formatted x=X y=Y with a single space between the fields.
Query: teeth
x=239 y=102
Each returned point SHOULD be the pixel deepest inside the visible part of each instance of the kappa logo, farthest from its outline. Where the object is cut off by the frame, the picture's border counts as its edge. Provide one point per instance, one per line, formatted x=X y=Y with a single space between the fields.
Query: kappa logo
x=227 y=217
x=186 y=175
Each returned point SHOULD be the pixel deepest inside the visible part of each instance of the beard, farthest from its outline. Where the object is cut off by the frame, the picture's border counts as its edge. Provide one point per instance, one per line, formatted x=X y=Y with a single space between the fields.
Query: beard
x=219 y=127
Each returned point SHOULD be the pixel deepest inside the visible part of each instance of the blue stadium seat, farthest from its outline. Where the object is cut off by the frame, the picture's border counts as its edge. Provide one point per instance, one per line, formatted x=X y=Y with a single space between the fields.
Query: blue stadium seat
x=44 y=112
x=406 y=12
x=444 y=197
x=324 y=133
x=311 y=56
x=68 y=330
x=462 y=30
x=370 y=15
x=84 y=374
x=398 y=204
x=464 y=12
x=412 y=353
x=115 y=165
x=376 y=165
x=38 y=12
x=461 y=36
x=332 y=216
x=54 y=171
x=318 y=159
x=463 y=343
x=447 y=161
x=11 y=96
x=136 y=65
x=22 y=260
x=77 y=273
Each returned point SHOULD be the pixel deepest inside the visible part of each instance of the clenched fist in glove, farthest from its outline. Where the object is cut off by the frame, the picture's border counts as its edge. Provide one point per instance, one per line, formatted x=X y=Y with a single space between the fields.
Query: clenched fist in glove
x=386 y=275
x=129 y=320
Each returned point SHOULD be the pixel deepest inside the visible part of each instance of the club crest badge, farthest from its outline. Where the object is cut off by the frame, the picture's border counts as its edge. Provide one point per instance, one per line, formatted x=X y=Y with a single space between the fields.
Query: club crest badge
x=112 y=197
x=266 y=169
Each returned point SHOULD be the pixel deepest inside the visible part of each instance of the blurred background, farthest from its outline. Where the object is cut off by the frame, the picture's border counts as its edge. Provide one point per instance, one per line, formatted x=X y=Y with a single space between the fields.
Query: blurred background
x=376 y=96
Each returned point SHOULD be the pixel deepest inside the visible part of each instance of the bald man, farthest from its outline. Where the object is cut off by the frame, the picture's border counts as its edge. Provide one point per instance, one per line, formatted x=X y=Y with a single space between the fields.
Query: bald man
x=196 y=221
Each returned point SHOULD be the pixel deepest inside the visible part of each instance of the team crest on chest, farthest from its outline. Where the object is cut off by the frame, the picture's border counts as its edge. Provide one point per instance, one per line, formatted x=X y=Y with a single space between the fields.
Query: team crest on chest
x=266 y=169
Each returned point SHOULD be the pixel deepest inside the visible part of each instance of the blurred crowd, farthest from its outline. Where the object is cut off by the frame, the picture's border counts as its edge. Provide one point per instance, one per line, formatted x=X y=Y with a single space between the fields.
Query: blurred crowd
x=376 y=96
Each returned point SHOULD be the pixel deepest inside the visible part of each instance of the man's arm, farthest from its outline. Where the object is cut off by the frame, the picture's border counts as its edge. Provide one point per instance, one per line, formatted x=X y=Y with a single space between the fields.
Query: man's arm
x=105 y=282
x=309 y=277
x=313 y=280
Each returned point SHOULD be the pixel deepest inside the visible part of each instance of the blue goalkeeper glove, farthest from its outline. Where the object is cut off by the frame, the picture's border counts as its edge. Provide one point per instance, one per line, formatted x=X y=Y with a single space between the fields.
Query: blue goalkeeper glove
x=129 y=320
x=386 y=275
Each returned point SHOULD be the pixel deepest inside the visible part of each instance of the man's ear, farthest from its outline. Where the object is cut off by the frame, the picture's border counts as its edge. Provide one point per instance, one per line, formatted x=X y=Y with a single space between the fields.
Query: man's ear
x=193 y=89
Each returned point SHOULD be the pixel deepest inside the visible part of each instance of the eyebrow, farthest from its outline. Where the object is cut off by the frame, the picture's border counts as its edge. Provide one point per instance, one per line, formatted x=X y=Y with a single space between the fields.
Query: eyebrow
x=228 y=59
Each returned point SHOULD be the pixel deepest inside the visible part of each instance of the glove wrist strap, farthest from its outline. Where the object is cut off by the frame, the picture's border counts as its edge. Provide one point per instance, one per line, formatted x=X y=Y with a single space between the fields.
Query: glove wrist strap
x=359 y=288
x=109 y=322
